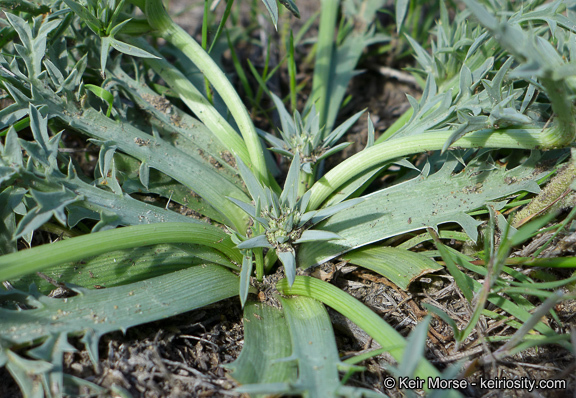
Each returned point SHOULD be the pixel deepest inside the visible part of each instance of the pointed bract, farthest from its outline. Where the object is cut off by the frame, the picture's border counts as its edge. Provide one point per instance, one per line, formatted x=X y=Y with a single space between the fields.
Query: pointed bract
x=257 y=241
x=289 y=195
x=253 y=185
x=313 y=235
x=288 y=259
x=245 y=273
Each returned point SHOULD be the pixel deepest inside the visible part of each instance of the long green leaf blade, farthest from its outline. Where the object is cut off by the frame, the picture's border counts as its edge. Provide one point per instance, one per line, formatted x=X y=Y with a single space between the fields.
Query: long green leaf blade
x=313 y=346
x=121 y=267
x=266 y=344
x=361 y=315
x=117 y=308
x=26 y=261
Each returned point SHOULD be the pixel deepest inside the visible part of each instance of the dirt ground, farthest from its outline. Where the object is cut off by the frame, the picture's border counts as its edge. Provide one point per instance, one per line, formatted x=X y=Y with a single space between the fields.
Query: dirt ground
x=183 y=356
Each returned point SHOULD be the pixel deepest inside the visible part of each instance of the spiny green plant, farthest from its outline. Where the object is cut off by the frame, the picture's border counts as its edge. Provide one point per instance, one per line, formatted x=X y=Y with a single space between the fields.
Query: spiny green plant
x=480 y=92
x=282 y=222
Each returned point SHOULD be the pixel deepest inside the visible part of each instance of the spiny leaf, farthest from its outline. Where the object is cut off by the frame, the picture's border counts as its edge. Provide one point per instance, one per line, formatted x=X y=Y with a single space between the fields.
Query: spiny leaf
x=10 y=200
x=50 y=205
x=96 y=312
x=288 y=127
x=93 y=23
x=257 y=241
x=389 y=212
x=313 y=235
x=33 y=48
x=342 y=129
x=249 y=209
x=326 y=212
x=333 y=150
x=30 y=375
x=254 y=187
x=11 y=151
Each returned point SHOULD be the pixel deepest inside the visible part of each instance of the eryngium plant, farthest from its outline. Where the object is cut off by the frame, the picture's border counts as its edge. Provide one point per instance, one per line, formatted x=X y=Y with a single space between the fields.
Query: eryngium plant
x=62 y=77
x=281 y=222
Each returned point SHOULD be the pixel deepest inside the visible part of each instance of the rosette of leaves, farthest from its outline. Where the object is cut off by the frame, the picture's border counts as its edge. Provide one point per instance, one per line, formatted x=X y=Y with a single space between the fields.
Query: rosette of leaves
x=304 y=136
x=281 y=221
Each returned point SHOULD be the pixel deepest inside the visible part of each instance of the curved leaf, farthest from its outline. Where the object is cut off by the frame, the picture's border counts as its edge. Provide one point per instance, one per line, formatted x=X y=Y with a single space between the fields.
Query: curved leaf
x=400 y=266
x=262 y=363
x=361 y=315
x=26 y=261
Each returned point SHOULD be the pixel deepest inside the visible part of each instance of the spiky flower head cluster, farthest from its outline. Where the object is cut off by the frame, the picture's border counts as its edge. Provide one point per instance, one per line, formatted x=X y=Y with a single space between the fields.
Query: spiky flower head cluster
x=284 y=218
x=304 y=136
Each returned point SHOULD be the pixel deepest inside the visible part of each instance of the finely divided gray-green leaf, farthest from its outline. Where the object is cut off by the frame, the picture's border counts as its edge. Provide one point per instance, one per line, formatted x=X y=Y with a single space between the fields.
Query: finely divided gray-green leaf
x=205 y=181
x=92 y=201
x=50 y=205
x=10 y=199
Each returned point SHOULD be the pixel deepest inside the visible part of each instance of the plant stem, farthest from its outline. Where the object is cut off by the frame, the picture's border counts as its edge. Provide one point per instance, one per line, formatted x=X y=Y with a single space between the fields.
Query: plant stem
x=555 y=262
x=171 y=32
x=26 y=261
x=324 y=50
x=379 y=154
x=561 y=102
x=259 y=260
x=306 y=181
x=269 y=260
x=550 y=198
x=205 y=24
